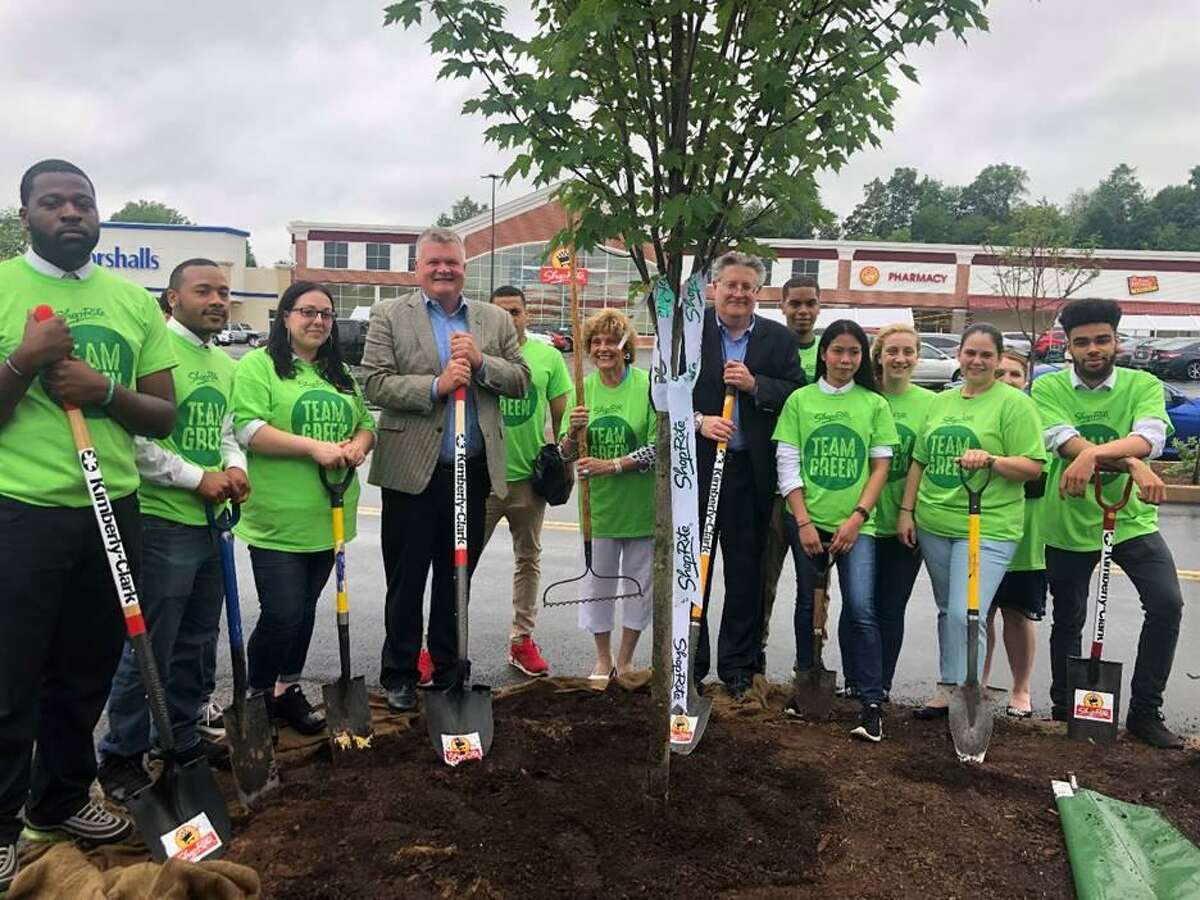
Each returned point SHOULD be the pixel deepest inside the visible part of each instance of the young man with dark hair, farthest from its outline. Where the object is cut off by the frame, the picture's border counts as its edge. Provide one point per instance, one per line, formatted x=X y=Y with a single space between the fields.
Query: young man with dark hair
x=1095 y=414
x=524 y=424
x=182 y=585
x=61 y=627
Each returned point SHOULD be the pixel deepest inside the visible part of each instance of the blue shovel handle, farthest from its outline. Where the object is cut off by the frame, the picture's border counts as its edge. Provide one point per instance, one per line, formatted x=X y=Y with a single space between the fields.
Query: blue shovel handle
x=223 y=523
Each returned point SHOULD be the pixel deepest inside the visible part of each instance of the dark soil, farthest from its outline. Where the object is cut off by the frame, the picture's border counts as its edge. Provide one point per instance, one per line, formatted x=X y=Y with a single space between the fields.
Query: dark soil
x=765 y=807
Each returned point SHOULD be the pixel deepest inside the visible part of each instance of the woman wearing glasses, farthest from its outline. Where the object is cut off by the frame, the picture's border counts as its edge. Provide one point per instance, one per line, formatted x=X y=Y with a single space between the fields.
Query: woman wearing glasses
x=295 y=408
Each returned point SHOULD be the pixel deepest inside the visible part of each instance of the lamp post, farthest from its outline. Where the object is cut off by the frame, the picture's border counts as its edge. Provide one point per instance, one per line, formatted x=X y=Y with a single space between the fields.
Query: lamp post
x=494 y=179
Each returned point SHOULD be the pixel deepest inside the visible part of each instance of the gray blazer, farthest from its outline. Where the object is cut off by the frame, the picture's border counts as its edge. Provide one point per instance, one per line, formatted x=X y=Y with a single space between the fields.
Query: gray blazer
x=401 y=362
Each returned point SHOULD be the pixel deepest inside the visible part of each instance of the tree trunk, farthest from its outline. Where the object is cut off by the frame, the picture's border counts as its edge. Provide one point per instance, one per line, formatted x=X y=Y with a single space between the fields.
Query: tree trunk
x=659 y=769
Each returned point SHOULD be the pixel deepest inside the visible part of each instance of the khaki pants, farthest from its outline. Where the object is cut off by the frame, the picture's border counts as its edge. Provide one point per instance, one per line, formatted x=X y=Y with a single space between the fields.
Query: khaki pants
x=775 y=551
x=524 y=510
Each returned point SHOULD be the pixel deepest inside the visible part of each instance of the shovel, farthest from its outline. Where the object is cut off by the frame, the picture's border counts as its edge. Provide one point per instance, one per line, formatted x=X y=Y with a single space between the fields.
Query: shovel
x=247 y=722
x=816 y=688
x=347 y=710
x=687 y=726
x=182 y=814
x=970 y=716
x=460 y=718
x=1095 y=685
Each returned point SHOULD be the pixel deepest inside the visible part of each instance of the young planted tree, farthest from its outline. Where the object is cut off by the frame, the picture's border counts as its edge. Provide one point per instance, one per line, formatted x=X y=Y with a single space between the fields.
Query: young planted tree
x=665 y=120
x=1034 y=271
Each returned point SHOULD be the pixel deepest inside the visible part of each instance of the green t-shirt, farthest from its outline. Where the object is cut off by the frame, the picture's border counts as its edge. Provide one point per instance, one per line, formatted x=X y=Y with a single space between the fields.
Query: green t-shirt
x=620 y=419
x=1004 y=422
x=908 y=412
x=288 y=507
x=834 y=434
x=119 y=330
x=1031 y=552
x=525 y=417
x=203 y=385
x=1099 y=416
x=808 y=359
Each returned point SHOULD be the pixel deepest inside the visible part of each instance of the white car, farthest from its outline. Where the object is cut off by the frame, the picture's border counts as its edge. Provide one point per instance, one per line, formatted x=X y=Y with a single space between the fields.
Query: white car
x=935 y=368
x=1016 y=340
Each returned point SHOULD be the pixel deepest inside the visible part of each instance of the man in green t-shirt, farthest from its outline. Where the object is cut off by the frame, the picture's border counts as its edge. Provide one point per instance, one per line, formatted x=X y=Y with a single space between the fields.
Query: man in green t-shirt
x=801 y=304
x=182 y=586
x=61 y=627
x=524 y=424
x=1094 y=414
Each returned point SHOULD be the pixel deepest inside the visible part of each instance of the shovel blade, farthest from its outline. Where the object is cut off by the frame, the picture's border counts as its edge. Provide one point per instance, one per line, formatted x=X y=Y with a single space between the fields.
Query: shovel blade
x=687 y=725
x=251 y=751
x=815 y=690
x=1095 y=702
x=348 y=714
x=970 y=722
x=182 y=814
x=460 y=722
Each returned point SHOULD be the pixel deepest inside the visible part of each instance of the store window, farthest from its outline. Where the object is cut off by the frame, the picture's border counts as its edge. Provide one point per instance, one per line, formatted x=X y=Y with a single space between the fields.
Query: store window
x=337 y=255
x=348 y=297
x=379 y=257
x=805 y=267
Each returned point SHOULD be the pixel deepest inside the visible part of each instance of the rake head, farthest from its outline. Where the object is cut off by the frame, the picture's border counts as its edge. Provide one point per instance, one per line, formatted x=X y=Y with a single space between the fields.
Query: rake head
x=620 y=583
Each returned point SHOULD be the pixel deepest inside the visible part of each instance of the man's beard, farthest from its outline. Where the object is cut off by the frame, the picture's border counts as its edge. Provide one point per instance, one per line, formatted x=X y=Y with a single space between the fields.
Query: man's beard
x=1084 y=374
x=67 y=257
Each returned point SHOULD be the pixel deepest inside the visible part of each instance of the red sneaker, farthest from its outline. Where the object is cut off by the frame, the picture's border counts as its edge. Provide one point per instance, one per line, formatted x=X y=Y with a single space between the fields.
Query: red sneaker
x=424 y=669
x=523 y=654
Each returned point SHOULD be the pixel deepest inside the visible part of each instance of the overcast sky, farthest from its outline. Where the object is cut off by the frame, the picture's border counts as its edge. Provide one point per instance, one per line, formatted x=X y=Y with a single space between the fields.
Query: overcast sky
x=253 y=114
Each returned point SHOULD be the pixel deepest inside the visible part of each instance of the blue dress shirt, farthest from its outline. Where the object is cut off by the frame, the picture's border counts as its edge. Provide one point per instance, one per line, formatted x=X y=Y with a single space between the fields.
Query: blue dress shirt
x=444 y=324
x=735 y=350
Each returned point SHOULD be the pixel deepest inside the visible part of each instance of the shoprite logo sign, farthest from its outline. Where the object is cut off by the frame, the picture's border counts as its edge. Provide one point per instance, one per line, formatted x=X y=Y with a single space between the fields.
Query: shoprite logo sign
x=141 y=258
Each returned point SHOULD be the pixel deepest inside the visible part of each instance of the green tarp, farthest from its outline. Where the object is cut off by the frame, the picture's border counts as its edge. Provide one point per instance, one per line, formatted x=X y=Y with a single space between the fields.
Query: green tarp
x=1122 y=851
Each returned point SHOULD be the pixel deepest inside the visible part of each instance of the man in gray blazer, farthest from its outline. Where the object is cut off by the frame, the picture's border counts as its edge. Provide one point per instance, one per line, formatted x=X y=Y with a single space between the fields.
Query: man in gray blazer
x=420 y=348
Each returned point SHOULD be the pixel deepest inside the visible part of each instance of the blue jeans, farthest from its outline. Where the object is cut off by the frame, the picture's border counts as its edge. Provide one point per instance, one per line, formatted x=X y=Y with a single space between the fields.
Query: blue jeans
x=181 y=596
x=288 y=587
x=862 y=650
x=946 y=562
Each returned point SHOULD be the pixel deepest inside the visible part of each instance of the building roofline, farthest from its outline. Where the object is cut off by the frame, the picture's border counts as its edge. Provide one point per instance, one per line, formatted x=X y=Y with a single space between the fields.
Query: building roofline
x=157 y=226
x=507 y=210
x=300 y=229
x=964 y=249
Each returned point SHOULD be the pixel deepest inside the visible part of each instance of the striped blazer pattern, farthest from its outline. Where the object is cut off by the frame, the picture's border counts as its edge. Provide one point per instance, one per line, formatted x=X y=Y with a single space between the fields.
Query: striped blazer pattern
x=401 y=362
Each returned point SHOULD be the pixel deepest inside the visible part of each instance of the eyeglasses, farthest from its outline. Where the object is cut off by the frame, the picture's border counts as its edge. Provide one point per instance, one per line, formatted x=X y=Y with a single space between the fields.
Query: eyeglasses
x=311 y=312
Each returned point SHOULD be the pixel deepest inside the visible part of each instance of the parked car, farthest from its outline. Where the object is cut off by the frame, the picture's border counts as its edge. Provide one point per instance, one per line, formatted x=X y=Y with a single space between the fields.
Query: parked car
x=1184 y=413
x=1016 y=340
x=1051 y=345
x=935 y=367
x=1175 y=358
x=560 y=339
x=947 y=342
x=239 y=333
x=1139 y=352
x=352 y=339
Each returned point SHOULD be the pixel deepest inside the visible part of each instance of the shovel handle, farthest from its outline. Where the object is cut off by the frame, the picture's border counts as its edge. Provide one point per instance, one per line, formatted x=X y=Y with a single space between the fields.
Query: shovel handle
x=337 y=487
x=461 y=552
x=714 y=499
x=223 y=523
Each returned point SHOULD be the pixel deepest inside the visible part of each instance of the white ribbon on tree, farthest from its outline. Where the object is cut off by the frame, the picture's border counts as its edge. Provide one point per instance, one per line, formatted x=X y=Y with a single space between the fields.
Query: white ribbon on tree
x=673 y=393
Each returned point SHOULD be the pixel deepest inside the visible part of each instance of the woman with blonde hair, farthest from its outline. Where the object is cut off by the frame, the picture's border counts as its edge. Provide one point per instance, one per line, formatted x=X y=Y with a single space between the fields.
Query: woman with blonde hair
x=620 y=425
x=894 y=356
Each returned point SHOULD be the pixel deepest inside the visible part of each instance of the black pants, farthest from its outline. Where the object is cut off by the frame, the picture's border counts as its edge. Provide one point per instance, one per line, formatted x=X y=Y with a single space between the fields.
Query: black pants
x=1148 y=563
x=896 y=568
x=418 y=532
x=742 y=526
x=61 y=634
x=289 y=585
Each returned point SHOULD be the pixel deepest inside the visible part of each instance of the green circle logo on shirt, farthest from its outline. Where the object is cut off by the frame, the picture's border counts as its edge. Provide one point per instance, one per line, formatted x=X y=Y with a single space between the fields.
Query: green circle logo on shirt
x=106 y=351
x=1100 y=434
x=834 y=457
x=610 y=437
x=944 y=446
x=323 y=416
x=518 y=410
x=902 y=458
x=197 y=433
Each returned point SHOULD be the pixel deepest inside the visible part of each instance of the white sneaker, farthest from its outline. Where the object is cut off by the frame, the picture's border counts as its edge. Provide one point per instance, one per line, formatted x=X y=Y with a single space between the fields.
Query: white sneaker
x=92 y=825
x=211 y=722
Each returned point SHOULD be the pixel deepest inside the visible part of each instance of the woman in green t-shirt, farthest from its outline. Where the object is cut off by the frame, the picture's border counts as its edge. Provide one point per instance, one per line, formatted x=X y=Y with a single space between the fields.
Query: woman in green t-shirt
x=295 y=408
x=1021 y=597
x=895 y=353
x=835 y=440
x=983 y=425
x=620 y=427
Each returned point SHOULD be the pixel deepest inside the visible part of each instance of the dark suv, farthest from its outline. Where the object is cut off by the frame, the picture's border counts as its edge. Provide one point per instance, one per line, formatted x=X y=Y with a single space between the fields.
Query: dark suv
x=352 y=339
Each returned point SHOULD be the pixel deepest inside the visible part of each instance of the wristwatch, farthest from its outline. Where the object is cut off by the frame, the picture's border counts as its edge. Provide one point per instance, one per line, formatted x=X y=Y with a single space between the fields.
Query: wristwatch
x=697 y=420
x=862 y=511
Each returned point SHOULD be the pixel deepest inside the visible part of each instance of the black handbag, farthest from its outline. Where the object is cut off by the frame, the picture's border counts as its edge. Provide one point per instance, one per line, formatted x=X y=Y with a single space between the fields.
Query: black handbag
x=551 y=478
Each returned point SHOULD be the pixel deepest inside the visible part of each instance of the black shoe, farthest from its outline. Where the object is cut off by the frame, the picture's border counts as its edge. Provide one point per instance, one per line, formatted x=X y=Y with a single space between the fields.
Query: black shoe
x=93 y=825
x=849 y=692
x=295 y=710
x=737 y=686
x=1149 y=727
x=927 y=713
x=402 y=698
x=870 y=724
x=886 y=698
x=216 y=754
x=791 y=709
x=1060 y=714
x=122 y=776
x=8 y=866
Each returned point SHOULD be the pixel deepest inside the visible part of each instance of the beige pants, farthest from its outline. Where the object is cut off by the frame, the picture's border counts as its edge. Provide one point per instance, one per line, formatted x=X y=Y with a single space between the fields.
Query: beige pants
x=525 y=511
x=774 y=553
